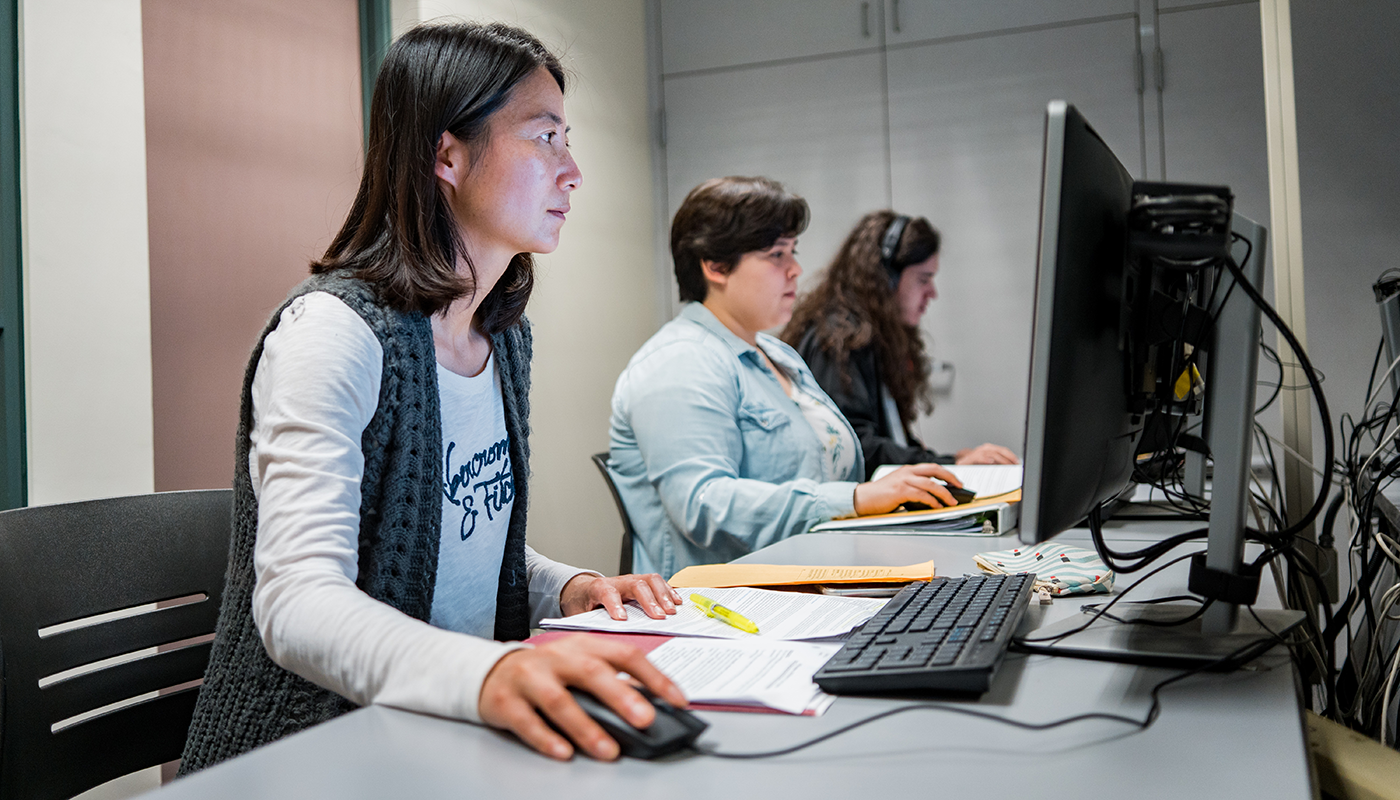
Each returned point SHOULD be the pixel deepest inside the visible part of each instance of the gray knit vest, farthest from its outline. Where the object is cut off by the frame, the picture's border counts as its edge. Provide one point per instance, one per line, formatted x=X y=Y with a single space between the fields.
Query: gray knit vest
x=247 y=700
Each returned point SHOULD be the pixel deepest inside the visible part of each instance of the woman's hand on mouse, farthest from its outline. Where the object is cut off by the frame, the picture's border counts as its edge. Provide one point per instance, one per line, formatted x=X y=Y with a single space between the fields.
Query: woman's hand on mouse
x=912 y=483
x=986 y=454
x=527 y=685
x=586 y=591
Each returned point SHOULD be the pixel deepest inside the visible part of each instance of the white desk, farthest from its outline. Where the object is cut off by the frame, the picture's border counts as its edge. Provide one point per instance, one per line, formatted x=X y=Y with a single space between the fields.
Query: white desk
x=1235 y=735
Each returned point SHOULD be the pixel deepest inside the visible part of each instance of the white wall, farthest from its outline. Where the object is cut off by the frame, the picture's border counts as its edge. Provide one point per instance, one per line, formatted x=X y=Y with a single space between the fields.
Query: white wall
x=87 y=318
x=87 y=289
x=595 y=297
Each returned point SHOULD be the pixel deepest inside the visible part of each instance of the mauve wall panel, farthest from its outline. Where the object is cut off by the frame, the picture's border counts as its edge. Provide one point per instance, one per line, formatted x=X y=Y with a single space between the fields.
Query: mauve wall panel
x=253 y=152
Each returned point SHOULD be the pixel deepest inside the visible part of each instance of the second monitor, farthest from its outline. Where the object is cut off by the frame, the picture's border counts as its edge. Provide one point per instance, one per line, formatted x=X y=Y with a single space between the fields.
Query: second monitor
x=1119 y=347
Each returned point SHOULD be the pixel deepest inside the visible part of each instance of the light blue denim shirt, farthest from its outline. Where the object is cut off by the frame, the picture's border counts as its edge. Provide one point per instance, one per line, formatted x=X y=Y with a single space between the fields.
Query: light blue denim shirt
x=711 y=458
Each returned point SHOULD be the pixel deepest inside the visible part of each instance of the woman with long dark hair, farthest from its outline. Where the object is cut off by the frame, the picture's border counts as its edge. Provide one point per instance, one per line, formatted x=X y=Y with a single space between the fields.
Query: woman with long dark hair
x=858 y=330
x=378 y=551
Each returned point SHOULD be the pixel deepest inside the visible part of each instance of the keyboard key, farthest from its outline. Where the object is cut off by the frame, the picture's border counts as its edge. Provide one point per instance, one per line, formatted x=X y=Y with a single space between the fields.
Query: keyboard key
x=947 y=654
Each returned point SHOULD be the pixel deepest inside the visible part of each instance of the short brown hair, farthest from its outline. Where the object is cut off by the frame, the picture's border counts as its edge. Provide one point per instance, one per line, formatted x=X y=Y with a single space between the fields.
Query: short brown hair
x=724 y=218
x=400 y=235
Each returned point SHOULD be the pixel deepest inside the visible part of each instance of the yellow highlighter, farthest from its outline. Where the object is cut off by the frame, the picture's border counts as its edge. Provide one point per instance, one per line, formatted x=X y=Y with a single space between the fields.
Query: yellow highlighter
x=725 y=615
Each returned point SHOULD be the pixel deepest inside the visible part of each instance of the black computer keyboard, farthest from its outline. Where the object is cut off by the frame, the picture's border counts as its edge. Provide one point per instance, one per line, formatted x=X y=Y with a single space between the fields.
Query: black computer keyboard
x=948 y=634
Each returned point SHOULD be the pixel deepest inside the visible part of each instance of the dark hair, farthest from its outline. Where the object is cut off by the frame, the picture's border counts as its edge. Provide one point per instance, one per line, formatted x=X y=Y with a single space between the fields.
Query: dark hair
x=852 y=306
x=724 y=218
x=400 y=234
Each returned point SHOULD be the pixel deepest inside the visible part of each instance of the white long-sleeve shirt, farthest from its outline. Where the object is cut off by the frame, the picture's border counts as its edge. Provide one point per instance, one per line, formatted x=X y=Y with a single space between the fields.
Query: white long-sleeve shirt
x=315 y=390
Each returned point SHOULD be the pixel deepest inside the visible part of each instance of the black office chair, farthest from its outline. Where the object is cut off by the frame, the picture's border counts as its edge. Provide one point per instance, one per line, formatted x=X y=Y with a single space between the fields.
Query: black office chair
x=88 y=698
x=624 y=563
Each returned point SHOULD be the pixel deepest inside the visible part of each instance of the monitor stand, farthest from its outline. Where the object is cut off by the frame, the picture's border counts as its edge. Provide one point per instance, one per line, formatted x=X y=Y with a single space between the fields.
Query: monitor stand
x=1183 y=646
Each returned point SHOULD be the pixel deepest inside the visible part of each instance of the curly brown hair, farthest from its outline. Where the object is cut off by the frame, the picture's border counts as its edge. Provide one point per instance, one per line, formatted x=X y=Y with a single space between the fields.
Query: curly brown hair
x=853 y=305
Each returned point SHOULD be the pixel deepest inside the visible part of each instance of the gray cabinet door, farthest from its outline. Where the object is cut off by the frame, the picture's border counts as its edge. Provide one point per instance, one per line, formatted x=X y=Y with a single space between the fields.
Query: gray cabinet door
x=705 y=34
x=918 y=20
x=966 y=134
x=1213 y=127
x=817 y=126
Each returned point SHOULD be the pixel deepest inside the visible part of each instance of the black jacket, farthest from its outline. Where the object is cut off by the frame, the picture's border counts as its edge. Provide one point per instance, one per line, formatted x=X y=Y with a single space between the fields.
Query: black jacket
x=859 y=400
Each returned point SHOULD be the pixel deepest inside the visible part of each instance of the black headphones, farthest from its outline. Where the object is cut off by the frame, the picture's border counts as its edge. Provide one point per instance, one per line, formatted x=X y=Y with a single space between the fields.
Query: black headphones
x=890 y=243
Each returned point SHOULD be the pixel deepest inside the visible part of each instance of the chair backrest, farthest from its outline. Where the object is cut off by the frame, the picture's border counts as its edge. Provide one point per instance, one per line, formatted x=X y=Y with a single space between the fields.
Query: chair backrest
x=624 y=562
x=107 y=611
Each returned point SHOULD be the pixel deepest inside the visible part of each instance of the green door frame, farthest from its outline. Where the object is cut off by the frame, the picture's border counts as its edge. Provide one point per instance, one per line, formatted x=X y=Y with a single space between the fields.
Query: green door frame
x=14 y=466
x=376 y=30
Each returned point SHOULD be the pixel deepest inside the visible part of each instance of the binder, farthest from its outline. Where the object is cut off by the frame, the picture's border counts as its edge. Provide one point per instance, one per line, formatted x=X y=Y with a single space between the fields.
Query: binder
x=993 y=516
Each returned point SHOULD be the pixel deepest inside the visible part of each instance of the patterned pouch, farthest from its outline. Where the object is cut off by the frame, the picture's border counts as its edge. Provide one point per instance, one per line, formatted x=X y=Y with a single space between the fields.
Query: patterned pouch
x=1060 y=569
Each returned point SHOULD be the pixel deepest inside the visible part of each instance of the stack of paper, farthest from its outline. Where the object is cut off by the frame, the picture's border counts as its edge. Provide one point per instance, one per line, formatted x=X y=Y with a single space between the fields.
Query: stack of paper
x=753 y=674
x=779 y=615
x=717 y=664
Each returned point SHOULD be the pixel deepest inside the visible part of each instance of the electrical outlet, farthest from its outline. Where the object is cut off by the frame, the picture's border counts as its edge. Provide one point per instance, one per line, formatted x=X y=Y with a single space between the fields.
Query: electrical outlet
x=941 y=374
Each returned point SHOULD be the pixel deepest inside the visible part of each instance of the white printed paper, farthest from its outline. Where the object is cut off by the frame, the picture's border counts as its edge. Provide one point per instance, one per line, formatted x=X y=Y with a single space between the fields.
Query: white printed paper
x=766 y=674
x=778 y=615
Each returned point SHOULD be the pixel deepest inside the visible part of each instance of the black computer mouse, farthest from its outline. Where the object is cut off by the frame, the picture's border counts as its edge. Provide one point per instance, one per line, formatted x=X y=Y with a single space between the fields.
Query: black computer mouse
x=960 y=496
x=672 y=730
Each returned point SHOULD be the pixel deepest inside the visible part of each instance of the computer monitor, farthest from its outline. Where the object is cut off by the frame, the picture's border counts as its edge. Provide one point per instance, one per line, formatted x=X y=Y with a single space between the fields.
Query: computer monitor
x=1088 y=405
x=1080 y=433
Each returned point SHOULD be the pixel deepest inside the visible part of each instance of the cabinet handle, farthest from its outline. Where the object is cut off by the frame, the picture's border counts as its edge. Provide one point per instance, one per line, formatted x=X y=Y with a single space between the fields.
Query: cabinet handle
x=1160 y=68
x=894 y=14
x=865 y=20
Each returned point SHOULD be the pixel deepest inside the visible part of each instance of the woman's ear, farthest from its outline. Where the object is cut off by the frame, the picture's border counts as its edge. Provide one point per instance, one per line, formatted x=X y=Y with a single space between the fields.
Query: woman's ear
x=715 y=273
x=451 y=162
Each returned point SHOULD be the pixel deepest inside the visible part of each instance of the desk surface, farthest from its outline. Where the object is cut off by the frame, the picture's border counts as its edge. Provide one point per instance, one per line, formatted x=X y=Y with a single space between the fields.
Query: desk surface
x=1239 y=734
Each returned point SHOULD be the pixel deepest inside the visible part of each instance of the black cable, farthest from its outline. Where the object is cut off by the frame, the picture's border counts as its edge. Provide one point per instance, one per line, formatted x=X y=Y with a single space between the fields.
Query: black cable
x=1367 y=508
x=1142 y=724
x=1306 y=364
x=1375 y=363
x=1173 y=514
x=1201 y=606
x=1139 y=558
x=1249 y=251
x=1270 y=355
x=1276 y=484
x=1329 y=520
x=1153 y=712
x=1102 y=610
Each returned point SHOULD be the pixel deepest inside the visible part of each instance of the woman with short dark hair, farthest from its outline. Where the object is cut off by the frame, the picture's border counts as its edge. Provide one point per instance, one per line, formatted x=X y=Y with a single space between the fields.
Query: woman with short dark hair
x=858 y=330
x=721 y=440
x=380 y=484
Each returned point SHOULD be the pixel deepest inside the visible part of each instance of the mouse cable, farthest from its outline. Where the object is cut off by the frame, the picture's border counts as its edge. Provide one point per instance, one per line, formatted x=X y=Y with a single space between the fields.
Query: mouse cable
x=1153 y=712
x=1102 y=608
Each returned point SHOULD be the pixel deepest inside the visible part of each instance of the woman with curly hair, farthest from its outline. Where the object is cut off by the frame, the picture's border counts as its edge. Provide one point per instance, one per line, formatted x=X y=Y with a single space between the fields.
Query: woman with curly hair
x=858 y=331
